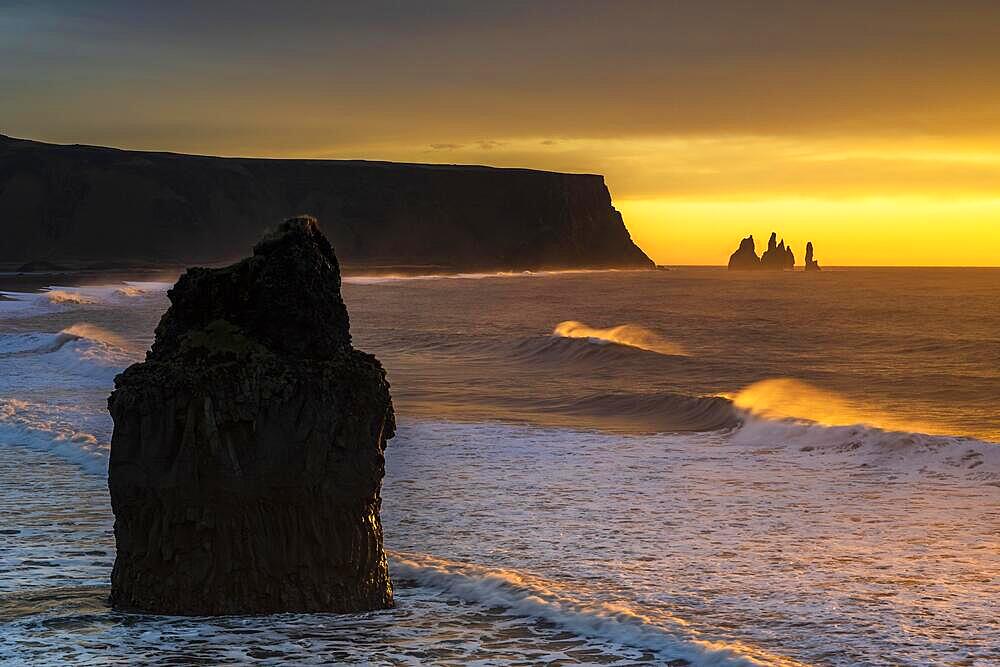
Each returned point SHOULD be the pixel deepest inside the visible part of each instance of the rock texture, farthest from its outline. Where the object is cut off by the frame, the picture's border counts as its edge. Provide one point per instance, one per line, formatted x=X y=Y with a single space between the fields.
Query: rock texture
x=86 y=205
x=247 y=455
x=811 y=264
x=745 y=257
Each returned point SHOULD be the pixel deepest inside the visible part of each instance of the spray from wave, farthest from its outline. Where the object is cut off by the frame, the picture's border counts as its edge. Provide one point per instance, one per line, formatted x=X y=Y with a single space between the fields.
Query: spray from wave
x=789 y=399
x=630 y=335
x=65 y=296
x=821 y=422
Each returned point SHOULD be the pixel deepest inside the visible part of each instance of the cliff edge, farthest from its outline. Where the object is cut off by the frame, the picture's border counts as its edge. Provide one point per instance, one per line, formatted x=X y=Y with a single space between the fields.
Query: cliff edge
x=86 y=204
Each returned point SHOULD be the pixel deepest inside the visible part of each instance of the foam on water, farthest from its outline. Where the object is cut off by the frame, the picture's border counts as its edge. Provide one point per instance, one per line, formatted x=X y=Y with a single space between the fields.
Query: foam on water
x=800 y=522
x=532 y=596
x=81 y=354
x=56 y=298
x=34 y=425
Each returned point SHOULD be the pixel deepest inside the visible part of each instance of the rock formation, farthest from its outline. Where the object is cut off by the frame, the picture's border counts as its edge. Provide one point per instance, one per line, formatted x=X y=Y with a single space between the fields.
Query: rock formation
x=247 y=455
x=81 y=205
x=777 y=257
x=811 y=264
x=745 y=257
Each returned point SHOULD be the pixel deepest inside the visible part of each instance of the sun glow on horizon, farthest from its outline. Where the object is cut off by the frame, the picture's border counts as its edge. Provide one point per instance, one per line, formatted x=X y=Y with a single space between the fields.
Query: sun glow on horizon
x=852 y=232
x=862 y=201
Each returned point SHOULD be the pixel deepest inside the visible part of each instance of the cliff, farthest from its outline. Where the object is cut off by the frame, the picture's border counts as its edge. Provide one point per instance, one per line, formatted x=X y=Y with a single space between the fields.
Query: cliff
x=87 y=205
x=247 y=455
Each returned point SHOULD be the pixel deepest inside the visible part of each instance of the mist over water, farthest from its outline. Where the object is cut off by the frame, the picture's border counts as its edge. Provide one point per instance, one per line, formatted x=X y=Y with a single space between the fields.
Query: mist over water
x=606 y=467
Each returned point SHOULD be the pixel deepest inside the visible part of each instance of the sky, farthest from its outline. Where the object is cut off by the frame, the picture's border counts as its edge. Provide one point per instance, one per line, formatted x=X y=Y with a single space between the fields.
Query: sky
x=870 y=128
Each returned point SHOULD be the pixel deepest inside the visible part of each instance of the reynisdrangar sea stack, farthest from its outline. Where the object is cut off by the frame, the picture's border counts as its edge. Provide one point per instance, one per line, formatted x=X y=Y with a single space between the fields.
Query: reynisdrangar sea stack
x=248 y=448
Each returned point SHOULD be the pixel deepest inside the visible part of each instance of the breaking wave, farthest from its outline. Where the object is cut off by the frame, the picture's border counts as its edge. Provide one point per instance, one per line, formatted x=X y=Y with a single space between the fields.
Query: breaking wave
x=82 y=350
x=65 y=296
x=57 y=298
x=790 y=399
x=820 y=422
x=525 y=595
x=31 y=425
x=658 y=412
x=630 y=335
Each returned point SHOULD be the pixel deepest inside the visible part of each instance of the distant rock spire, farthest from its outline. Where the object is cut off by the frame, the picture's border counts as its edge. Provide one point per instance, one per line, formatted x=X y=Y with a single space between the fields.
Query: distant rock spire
x=811 y=264
x=778 y=256
x=745 y=257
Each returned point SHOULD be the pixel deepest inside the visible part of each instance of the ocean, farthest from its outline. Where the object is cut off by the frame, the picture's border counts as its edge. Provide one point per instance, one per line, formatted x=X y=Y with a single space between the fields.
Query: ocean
x=611 y=467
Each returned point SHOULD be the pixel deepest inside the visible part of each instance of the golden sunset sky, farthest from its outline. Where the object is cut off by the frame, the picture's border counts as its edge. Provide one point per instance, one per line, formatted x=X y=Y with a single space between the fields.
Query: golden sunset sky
x=870 y=128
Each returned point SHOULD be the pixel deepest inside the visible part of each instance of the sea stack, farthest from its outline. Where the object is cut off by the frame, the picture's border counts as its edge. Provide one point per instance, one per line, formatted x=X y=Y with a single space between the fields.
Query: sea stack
x=745 y=257
x=777 y=257
x=811 y=264
x=247 y=455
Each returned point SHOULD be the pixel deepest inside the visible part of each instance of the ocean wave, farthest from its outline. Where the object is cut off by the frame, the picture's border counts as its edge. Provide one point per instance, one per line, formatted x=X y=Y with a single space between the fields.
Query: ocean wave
x=795 y=414
x=792 y=399
x=917 y=454
x=79 y=357
x=29 y=424
x=56 y=298
x=655 y=412
x=525 y=595
x=630 y=335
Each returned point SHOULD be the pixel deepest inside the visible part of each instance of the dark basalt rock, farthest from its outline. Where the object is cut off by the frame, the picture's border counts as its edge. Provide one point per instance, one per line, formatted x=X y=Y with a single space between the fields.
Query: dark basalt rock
x=745 y=257
x=777 y=257
x=247 y=455
x=811 y=264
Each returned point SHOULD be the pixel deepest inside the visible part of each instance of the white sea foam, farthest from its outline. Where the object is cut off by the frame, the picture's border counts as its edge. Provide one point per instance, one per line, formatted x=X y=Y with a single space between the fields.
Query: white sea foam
x=526 y=595
x=899 y=451
x=30 y=424
x=57 y=298
x=79 y=355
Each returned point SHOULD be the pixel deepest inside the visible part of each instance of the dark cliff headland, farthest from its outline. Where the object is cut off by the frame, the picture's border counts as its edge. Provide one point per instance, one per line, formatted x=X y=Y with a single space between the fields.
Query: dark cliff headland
x=85 y=206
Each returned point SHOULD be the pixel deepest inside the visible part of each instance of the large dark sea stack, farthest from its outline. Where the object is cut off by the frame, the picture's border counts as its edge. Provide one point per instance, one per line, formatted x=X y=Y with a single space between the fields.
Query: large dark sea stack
x=247 y=455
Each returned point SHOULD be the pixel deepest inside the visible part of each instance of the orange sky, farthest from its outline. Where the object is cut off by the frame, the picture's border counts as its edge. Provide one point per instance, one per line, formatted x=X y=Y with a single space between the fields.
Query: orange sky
x=869 y=128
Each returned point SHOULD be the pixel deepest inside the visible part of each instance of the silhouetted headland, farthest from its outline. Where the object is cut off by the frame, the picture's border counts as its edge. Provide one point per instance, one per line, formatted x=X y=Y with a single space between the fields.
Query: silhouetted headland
x=247 y=454
x=80 y=205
